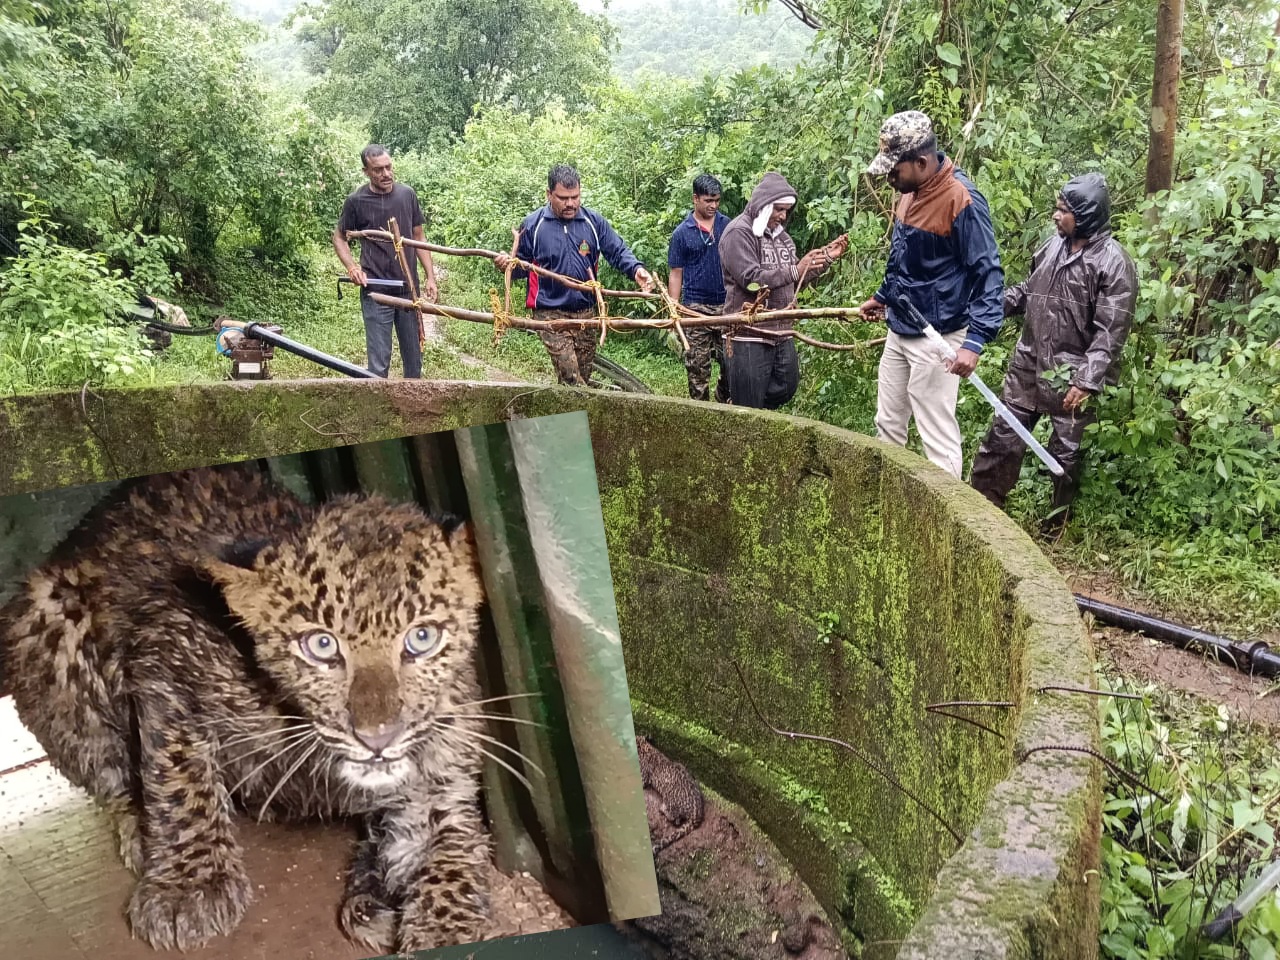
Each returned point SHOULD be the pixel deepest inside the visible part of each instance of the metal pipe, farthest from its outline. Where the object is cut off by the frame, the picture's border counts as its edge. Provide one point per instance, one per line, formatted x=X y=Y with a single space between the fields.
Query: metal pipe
x=259 y=332
x=566 y=529
x=1253 y=658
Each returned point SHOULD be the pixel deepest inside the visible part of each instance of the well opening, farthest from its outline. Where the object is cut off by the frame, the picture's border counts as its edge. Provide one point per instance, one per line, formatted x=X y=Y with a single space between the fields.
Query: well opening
x=852 y=582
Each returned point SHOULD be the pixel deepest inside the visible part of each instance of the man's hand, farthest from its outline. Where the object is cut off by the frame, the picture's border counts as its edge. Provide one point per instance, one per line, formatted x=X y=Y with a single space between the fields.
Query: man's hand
x=1074 y=398
x=430 y=290
x=357 y=275
x=502 y=261
x=965 y=363
x=872 y=310
x=838 y=247
x=645 y=279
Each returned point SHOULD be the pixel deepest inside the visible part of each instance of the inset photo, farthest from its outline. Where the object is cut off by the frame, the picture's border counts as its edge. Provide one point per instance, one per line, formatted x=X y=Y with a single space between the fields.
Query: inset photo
x=347 y=703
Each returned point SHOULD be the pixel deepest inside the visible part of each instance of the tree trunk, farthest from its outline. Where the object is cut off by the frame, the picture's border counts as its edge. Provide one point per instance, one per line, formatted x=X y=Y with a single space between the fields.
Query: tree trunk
x=1164 y=96
x=1266 y=67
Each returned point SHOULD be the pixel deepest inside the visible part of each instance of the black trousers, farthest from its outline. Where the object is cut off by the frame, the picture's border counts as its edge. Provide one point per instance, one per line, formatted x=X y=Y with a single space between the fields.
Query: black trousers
x=762 y=375
x=999 y=459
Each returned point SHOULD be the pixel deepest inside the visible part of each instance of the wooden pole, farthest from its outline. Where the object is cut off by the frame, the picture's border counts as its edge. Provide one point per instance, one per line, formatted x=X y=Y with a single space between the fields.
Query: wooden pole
x=1164 y=96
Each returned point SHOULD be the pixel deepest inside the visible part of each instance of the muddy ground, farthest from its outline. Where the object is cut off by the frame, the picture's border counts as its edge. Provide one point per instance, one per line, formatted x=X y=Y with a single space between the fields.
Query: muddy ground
x=1249 y=699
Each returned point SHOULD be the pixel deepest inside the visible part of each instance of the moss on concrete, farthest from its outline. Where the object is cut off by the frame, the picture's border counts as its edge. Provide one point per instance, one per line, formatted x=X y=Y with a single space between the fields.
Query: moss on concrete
x=852 y=582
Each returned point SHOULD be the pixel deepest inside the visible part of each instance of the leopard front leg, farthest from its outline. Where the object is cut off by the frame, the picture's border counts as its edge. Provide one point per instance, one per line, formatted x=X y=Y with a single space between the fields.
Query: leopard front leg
x=369 y=914
x=193 y=885
x=436 y=858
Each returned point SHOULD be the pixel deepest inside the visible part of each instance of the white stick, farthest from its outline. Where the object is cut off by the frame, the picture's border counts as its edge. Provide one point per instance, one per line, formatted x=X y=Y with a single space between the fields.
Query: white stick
x=1004 y=413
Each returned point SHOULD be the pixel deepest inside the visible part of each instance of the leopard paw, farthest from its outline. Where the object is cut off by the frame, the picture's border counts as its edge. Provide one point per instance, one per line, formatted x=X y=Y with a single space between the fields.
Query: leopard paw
x=183 y=915
x=369 y=922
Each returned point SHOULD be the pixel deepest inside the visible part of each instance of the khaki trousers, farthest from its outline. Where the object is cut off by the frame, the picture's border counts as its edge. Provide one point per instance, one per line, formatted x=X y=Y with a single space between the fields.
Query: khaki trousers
x=914 y=383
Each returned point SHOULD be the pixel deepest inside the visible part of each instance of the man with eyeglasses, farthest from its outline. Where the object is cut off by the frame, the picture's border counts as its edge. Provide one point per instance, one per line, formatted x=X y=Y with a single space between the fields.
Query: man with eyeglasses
x=1078 y=300
x=695 y=279
x=943 y=258
x=369 y=208
x=758 y=255
x=569 y=239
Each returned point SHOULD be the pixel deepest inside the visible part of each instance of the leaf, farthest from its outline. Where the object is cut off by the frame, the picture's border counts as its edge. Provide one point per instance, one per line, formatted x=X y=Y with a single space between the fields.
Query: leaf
x=949 y=53
x=1256 y=184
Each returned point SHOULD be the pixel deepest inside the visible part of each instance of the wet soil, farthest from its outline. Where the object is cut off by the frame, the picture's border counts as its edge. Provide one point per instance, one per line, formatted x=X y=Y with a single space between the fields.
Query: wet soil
x=1249 y=699
x=727 y=893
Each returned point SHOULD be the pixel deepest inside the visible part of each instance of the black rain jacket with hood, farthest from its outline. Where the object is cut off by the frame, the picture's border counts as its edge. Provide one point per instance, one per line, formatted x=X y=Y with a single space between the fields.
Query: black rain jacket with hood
x=1079 y=305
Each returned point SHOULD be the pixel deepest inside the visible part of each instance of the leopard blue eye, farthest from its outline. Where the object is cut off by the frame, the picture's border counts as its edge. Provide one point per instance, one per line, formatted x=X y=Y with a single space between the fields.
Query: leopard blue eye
x=319 y=647
x=423 y=640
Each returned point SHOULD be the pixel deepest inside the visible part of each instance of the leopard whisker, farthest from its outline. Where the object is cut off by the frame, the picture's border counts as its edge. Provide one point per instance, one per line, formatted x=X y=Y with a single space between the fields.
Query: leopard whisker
x=315 y=745
x=509 y=696
x=293 y=744
x=496 y=759
x=250 y=718
x=281 y=737
x=250 y=737
x=496 y=742
x=501 y=718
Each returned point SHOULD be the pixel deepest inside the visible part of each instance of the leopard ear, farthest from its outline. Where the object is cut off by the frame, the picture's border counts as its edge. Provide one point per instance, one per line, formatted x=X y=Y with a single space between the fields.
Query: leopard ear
x=243 y=553
x=232 y=569
x=459 y=536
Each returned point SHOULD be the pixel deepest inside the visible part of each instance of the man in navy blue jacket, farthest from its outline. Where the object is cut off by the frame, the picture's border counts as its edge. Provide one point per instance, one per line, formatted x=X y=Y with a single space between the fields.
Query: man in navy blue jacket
x=943 y=258
x=569 y=239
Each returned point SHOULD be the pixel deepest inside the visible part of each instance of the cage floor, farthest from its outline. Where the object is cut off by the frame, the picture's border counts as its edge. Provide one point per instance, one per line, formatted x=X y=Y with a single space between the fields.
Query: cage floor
x=63 y=889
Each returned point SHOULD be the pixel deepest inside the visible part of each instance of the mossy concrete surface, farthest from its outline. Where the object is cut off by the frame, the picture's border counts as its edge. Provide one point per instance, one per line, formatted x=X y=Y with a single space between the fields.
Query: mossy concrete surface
x=850 y=582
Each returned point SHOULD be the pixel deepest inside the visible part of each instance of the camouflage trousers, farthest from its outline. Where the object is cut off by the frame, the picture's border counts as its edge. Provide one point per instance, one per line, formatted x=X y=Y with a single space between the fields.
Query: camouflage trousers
x=705 y=345
x=573 y=352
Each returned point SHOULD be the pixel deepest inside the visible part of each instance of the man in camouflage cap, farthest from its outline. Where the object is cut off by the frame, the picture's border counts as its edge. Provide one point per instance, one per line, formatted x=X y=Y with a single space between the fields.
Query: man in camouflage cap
x=943 y=258
x=901 y=134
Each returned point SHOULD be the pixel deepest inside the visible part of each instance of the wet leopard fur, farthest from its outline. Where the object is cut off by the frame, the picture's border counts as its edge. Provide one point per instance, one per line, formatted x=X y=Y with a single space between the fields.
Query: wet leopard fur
x=680 y=804
x=207 y=641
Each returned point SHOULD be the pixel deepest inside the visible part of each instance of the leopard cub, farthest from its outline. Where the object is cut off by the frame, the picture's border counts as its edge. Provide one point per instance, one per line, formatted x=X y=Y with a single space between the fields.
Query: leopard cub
x=206 y=641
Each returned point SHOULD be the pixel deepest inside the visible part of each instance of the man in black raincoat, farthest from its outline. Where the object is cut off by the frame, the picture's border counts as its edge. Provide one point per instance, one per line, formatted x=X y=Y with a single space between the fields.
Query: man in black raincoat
x=1078 y=301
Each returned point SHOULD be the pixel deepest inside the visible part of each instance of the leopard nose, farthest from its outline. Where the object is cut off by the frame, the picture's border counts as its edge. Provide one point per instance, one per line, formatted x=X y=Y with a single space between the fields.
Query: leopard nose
x=380 y=737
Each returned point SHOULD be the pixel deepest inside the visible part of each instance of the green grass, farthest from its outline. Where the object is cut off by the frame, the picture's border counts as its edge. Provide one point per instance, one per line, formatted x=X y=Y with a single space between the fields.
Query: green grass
x=1170 y=863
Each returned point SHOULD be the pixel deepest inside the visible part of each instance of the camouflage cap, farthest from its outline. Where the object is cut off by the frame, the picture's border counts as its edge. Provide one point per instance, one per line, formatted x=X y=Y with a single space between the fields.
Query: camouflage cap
x=901 y=133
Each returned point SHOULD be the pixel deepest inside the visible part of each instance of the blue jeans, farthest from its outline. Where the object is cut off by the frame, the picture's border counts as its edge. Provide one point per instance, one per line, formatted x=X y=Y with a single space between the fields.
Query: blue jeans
x=378 y=321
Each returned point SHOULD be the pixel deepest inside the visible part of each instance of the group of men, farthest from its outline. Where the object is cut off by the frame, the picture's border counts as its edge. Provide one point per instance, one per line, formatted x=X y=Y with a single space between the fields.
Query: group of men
x=943 y=261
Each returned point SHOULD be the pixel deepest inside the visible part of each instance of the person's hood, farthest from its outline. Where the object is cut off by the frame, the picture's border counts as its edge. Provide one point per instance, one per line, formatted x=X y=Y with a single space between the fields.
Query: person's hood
x=1087 y=198
x=771 y=188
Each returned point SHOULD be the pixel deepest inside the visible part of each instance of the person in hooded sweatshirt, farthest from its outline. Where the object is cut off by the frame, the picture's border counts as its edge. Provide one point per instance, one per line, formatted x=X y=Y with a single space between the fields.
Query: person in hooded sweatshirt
x=756 y=252
x=1078 y=301
x=943 y=259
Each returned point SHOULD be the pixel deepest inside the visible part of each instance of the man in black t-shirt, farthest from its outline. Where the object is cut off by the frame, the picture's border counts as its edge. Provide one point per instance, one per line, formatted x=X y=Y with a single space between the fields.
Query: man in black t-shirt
x=370 y=208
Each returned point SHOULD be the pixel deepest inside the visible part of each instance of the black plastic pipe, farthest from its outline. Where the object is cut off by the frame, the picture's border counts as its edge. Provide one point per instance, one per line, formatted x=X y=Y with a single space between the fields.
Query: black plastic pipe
x=258 y=332
x=1253 y=658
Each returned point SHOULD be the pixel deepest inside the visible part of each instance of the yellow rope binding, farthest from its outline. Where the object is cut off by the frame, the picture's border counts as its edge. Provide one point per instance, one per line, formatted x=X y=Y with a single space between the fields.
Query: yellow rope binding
x=501 y=318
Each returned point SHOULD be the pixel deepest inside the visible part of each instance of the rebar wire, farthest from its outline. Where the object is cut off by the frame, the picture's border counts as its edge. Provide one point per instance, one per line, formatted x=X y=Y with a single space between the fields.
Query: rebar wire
x=940 y=709
x=793 y=735
x=1090 y=691
x=1119 y=771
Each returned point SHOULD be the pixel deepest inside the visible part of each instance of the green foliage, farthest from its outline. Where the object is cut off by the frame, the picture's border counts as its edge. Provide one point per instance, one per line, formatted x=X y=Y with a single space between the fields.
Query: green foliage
x=140 y=120
x=60 y=315
x=710 y=37
x=1170 y=865
x=413 y=71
